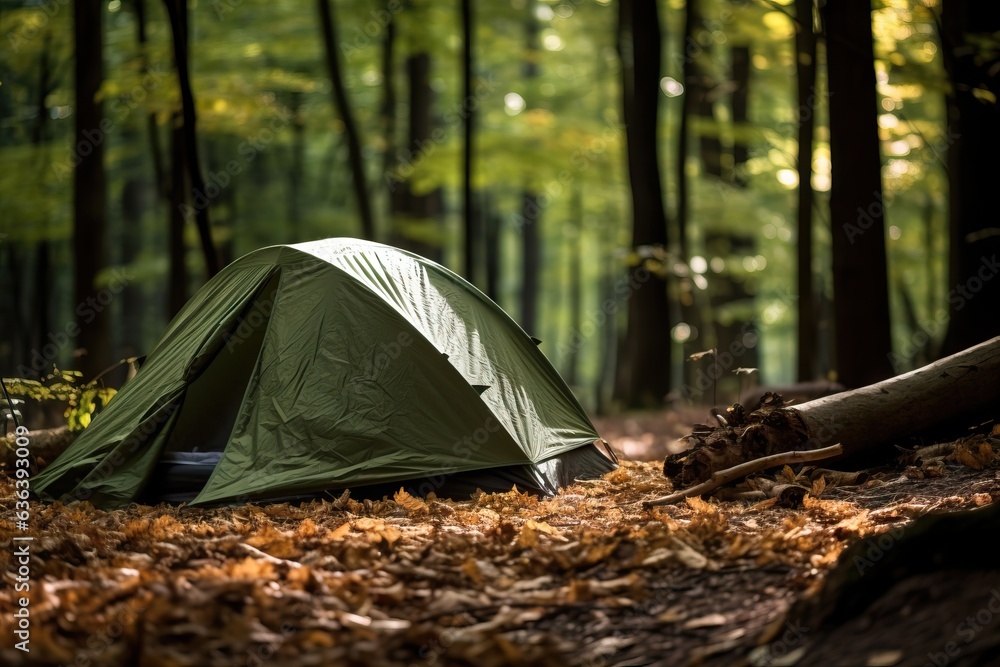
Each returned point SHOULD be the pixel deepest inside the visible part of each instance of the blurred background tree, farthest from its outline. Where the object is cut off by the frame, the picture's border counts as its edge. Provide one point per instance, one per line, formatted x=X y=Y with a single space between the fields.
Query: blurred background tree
x=627 y=208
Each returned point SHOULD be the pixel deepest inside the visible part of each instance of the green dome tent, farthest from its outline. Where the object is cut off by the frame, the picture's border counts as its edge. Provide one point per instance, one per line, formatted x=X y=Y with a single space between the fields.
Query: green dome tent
x=327 y=365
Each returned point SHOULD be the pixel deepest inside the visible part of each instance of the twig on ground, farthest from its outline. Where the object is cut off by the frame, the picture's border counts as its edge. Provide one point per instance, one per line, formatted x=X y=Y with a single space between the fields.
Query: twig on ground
x=723 y=477
x=257 y=553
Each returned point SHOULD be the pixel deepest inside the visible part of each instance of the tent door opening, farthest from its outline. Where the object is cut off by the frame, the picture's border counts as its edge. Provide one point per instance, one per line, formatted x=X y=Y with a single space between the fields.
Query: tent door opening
x=210 y=406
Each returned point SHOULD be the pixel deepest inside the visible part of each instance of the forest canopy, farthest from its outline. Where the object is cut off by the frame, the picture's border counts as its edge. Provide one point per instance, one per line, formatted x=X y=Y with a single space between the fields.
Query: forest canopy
x=146 y=144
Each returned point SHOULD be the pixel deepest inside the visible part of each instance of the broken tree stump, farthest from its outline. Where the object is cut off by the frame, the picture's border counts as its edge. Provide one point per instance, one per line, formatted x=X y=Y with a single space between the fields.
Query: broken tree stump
x=858 y=419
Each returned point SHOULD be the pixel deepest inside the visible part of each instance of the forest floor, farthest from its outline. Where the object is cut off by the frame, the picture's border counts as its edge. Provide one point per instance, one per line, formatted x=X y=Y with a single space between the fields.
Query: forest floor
x=585 y=578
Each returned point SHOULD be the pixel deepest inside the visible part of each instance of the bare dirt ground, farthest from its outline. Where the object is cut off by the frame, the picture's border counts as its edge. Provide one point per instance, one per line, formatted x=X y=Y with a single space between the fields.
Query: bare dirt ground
x=585 y=578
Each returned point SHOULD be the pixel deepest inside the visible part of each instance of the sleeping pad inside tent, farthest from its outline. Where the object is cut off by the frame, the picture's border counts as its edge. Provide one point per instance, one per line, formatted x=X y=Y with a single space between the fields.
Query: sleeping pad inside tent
x=311 y=368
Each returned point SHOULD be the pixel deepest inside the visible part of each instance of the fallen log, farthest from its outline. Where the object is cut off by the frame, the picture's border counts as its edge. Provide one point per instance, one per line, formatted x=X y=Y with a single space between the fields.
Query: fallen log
x=46 y=444
x=858 y=419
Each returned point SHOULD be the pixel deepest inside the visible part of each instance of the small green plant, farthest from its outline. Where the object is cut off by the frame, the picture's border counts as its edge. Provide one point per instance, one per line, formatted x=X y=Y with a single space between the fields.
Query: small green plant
x=83 y=401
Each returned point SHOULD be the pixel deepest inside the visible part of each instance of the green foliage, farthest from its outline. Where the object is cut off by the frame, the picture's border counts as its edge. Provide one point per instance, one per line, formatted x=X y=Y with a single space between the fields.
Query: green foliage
x=266 y=121
x=82 y=401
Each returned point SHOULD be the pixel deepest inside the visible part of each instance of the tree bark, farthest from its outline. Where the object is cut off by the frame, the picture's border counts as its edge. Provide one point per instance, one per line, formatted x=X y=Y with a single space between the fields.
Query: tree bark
x=90 y=206
x=741 y=113
x=646 y=367
x=964 y=382
x=177 y=278
x=491 y=246
x=974 y=137
x=468 y=202
x=530 y=262
x=571 y=360
x=859 y=419
x=388 y=111
x=177 y=11
x=689 y=105
x=531 y=212
x=343 y=107
x=43 y=265
x=297 y=172
x=860 y=281
x=417 y=229
x=805 y=76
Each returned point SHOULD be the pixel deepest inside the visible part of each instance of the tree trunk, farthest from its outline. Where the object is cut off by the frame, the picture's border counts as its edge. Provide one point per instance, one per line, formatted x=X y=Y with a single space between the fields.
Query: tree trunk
x=531 y=211
x=575 y=287
x=156 y=153
x=805 y=75
x=416 y=228
x=43 y=266
x=689 y=105
x=858 y=420
x=297 y=172
x=90 y=207
x=741 y=113
x=17 y=329
x=491 y=246
x=177 y=278
x=136 y=198
x=388 y=110
x=646 y=367
x=687 y=305
x=974 y=70
x=177 y=11
x=530 y=262
x=343 y=107
x=467 y=148
x=860 y=280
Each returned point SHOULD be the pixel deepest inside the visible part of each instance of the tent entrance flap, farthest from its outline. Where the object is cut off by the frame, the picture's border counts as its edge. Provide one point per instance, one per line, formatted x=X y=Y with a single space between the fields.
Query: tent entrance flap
x=210 y=405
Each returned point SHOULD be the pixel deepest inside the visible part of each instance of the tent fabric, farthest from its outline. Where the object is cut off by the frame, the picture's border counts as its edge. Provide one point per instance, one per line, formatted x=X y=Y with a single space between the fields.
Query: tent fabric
x=335 y=364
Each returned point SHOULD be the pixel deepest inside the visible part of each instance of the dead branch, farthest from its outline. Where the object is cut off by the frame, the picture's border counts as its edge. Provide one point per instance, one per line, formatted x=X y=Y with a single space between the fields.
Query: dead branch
x=723 y=477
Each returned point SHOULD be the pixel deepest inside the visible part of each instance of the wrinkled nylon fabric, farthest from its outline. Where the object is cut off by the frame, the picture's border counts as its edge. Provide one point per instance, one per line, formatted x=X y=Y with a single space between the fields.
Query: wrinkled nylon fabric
x=482 y=342
x=365 y=375
x=351 y=394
